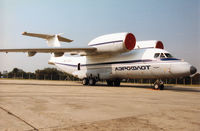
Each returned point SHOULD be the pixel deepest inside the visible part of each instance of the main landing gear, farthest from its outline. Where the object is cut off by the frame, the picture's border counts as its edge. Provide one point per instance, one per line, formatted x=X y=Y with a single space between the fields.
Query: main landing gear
x=113 y=82
x=89 y=81
x=92 y=82
x=158 y=85
x=85 y=81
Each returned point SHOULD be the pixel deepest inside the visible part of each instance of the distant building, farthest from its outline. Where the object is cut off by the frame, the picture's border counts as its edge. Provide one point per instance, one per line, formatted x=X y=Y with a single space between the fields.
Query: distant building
x=5 y=74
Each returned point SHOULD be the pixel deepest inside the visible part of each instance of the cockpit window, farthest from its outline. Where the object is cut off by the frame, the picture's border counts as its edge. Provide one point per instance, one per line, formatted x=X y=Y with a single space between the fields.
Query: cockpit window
x=162 y=55
x=168 y=55
x=156 y=55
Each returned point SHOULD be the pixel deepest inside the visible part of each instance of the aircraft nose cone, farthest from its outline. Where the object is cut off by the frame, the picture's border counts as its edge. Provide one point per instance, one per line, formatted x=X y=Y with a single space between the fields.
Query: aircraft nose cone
x=193 y=70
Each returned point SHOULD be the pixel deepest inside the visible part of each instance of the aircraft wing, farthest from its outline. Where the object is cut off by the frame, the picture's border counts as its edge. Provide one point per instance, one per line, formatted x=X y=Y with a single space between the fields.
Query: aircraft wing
x=57 y=51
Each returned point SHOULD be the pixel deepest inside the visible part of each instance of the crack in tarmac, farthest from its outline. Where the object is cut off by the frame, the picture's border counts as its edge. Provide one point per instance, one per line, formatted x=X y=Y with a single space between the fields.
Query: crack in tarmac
x=10 y=113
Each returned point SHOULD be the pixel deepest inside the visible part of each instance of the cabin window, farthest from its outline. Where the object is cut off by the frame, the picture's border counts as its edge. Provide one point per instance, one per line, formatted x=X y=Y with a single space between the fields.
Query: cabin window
x=79 y=66
x=168 y=55
x=156 y=55
x=162 y=55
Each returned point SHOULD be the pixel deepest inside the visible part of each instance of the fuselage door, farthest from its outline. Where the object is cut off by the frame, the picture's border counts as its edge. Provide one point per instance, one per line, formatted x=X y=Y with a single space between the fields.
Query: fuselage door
x=79 y=66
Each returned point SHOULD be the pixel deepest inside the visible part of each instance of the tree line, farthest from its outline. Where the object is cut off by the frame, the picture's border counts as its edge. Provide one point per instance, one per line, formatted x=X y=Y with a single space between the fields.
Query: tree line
x=40 y=74
x=55 y=74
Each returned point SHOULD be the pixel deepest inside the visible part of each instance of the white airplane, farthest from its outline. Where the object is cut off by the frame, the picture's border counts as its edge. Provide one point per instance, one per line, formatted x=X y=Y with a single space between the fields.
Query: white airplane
x=113 y=57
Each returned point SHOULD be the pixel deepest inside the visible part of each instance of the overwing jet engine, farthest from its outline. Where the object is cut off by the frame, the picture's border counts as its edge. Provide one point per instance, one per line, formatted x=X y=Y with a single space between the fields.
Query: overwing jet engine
x=149 y=44
x=114 y=43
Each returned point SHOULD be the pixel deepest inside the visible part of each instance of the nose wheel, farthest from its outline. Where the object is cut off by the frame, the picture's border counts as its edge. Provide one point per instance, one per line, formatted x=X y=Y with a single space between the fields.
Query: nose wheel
x=158 y=85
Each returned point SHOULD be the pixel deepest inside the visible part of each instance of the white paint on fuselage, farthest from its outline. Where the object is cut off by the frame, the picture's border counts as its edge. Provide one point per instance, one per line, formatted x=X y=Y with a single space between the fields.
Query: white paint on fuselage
x=138 y=63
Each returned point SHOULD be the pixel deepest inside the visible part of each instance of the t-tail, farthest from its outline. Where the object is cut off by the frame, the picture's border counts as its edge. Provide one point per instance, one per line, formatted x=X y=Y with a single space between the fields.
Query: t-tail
x=52 y=40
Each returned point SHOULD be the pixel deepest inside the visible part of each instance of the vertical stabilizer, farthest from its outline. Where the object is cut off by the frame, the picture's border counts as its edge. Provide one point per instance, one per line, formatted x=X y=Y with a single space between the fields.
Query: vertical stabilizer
x=53 y=41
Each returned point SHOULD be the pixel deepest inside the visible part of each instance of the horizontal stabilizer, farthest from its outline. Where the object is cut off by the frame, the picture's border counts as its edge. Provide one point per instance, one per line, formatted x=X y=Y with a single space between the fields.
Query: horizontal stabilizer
x=45 y=36
x=52 y=40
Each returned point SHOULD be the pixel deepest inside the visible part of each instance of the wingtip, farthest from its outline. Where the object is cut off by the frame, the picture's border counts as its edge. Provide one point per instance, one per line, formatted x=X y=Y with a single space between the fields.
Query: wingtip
x=24 y=33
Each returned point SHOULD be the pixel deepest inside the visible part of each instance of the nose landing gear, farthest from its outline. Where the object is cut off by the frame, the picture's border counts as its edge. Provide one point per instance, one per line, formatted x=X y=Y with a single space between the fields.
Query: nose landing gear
x=158 y=85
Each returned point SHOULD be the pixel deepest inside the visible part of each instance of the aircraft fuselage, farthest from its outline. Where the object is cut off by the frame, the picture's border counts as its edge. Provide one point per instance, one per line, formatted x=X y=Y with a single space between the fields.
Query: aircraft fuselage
x=139 y=63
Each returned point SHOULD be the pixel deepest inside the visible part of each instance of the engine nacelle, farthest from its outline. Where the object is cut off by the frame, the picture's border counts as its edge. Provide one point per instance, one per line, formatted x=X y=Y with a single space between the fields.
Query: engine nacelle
x=58 y=54
x=149 y=44
x=30 y=54
x=118 y=42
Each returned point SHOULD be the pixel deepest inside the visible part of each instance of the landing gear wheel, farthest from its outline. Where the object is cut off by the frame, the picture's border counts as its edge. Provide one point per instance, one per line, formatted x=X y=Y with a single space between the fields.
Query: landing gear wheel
x=109 y=83
x=117 y=83
x=85 y=81
x=162 y=87
x=158 y=85
x=92 y=82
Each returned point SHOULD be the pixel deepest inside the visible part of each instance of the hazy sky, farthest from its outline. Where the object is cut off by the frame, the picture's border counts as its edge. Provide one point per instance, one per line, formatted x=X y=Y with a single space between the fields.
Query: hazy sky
x=175 y=22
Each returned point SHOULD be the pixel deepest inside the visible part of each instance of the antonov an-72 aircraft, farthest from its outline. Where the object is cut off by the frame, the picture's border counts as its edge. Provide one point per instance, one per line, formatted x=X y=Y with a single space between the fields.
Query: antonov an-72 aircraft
x=112 y=57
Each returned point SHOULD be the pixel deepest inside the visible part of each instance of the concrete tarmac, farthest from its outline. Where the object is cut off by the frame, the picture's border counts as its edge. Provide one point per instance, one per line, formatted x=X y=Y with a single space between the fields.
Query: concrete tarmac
x=62 y=105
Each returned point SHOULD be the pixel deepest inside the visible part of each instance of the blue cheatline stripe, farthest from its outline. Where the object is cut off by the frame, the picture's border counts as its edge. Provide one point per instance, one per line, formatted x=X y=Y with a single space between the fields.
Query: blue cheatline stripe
x=167 y=59
x=107 y=63
x=106 y=43
x=118 y=62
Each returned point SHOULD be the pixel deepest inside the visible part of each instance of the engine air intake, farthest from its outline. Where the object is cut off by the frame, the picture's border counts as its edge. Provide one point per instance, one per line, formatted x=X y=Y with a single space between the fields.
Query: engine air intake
x=130 y=41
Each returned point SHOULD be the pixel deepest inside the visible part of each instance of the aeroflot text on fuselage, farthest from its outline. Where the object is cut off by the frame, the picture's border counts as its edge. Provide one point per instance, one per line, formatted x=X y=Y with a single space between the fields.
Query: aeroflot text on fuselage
x=145 y=67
